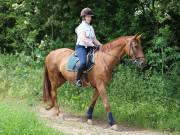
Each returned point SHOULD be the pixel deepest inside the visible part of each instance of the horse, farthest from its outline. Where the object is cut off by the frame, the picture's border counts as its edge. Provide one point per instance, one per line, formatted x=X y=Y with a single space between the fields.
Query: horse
x=106 y=58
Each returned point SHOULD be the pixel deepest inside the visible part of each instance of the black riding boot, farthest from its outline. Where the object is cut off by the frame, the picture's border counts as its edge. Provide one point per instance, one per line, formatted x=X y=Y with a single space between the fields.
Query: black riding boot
x=78 y=79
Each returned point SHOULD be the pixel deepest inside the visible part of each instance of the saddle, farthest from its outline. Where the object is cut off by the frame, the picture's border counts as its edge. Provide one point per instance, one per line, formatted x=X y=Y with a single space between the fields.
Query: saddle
x=73 y=62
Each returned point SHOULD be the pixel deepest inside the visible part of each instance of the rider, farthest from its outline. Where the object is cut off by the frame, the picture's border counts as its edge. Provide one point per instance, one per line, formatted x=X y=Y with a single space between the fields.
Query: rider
x=86 y=39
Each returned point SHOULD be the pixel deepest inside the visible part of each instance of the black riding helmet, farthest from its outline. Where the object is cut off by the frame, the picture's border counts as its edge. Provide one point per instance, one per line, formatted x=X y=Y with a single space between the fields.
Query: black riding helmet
x=86 y=12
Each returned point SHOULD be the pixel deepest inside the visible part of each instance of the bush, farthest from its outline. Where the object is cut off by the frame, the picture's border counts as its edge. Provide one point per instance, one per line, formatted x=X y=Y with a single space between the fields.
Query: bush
x=25 y=24
x=145 y=99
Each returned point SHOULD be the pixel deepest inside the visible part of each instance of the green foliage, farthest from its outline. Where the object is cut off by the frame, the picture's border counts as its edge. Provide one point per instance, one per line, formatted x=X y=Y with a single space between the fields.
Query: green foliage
x=18 y=76
x=30 y=29
x=174 y=85
x=163 y=55
x=19 y=121
x=25 y=23
x=148 y=99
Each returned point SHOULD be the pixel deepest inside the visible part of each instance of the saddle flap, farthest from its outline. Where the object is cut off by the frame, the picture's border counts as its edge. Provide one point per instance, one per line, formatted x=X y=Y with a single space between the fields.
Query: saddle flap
x=72 y=64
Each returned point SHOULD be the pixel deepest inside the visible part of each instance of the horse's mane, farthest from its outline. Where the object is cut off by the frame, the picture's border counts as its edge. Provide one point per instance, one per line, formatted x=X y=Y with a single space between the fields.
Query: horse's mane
x=113 y=44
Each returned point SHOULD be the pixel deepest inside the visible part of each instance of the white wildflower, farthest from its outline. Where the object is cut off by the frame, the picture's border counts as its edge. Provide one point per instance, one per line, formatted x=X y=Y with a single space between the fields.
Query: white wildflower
x=138 y=12
x=26 y=22
x=42 y=41
x=36 y=10
x=15 y=5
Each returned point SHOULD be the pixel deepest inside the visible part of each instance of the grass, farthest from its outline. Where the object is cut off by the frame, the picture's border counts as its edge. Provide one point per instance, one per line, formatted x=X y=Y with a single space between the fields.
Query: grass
x=16 y=119
x=137 y=98
x=142 y=114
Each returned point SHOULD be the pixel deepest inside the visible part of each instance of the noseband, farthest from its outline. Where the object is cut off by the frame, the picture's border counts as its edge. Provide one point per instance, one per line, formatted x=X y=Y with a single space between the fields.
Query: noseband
x=135 y=59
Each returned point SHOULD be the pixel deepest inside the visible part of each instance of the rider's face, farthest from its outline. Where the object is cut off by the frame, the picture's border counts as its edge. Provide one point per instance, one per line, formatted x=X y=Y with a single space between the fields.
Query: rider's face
x=88 y=19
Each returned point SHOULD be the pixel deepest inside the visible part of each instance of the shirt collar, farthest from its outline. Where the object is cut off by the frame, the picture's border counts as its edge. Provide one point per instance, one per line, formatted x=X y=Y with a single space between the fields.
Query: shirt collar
x=83 y=22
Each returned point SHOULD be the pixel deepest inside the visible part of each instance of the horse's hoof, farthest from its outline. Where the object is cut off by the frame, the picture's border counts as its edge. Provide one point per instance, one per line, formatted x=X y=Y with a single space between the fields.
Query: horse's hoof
x=58 y=113
x=114 y=127
x=48 y=107
x=89 y=121
x=60 y=118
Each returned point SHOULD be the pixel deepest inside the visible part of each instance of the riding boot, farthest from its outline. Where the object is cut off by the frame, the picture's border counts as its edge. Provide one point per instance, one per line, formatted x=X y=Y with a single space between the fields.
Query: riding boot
x=78 y=79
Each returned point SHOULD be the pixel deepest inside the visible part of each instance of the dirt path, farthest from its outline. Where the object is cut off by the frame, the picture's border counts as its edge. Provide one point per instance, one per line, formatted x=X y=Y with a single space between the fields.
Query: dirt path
x=76 y=125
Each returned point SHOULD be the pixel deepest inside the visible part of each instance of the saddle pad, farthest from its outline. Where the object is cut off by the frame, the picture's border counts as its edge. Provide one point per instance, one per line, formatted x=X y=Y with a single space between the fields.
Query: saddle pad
x=73 y=62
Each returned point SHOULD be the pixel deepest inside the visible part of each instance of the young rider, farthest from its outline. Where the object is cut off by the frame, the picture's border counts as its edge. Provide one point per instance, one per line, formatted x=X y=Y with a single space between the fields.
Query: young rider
x=86 y=39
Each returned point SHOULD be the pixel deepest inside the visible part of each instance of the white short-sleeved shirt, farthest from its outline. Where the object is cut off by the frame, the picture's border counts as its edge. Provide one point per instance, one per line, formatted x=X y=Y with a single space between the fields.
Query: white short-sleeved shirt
x=89 y=31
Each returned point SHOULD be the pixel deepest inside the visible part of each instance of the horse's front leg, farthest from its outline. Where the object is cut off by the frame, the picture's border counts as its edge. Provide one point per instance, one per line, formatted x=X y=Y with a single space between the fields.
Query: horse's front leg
x=91 y=108
x=102 y=92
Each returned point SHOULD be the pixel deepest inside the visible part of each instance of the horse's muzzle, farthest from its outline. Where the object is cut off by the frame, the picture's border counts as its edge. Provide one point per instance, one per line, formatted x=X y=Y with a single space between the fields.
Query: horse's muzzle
x=140 y=63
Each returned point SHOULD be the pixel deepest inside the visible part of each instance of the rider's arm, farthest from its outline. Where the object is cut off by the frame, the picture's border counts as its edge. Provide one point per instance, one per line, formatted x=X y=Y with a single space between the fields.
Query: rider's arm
x=96 y=42
x=83 y=38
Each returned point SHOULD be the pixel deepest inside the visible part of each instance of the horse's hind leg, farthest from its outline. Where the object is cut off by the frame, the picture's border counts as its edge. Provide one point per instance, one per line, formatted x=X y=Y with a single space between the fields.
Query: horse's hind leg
x=56 y=80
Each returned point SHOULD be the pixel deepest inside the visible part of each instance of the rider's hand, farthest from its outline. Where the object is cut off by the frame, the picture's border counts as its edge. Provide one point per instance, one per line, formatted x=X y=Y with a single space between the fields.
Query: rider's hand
x=98 y=47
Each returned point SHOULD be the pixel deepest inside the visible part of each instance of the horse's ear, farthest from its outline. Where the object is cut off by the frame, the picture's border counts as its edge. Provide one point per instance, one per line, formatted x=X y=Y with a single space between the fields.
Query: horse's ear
x=135 y=36
x=139 y=36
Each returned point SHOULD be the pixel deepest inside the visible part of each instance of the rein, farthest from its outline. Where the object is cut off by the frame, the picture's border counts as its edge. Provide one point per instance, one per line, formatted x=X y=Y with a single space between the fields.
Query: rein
x=134 y=59
x=110 y=54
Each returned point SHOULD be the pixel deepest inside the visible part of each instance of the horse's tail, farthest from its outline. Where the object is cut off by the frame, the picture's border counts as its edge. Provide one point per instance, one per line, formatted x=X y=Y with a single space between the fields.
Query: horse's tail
x=46 y=86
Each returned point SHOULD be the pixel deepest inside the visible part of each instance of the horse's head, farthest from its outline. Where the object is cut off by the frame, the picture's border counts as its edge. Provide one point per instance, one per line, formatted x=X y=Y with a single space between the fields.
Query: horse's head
x=134 y=50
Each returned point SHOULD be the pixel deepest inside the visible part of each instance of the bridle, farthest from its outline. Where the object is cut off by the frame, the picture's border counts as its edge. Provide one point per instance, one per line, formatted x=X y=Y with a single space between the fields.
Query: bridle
x=135 y=59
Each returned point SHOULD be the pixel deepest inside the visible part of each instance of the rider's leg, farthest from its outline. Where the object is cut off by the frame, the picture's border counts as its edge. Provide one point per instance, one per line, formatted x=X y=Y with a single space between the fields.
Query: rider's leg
x=91 y=49
x=81 y=52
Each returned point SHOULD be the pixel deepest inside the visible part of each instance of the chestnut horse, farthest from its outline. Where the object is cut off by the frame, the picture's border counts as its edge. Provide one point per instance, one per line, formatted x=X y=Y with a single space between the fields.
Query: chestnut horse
x=106 y=58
